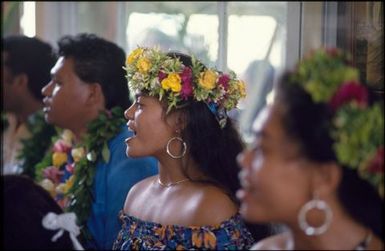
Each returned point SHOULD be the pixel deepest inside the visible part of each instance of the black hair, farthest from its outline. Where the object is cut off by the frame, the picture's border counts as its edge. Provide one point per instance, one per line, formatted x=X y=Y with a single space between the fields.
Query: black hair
x=32 y=57
x=308 y=123
x=25 y=205
x=101 y=61
x=214 y=149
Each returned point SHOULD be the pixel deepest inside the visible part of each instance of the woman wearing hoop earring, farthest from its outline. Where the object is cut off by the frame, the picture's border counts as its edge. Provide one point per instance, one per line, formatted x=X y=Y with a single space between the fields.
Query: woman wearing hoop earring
x=179 y=117
x=313 y=166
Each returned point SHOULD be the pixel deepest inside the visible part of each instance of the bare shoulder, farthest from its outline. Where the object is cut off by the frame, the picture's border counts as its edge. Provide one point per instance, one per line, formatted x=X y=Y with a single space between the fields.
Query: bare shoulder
x=138 y=188
x=212 y=206
x=280 y=241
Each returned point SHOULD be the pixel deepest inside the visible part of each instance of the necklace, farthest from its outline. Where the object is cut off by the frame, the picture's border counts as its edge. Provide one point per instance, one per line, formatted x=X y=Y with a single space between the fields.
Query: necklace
x=172 y=183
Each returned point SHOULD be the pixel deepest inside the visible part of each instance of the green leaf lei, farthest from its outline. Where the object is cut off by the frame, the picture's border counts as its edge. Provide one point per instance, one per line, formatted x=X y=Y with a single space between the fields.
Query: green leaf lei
x=35 y=146
x=81 y=197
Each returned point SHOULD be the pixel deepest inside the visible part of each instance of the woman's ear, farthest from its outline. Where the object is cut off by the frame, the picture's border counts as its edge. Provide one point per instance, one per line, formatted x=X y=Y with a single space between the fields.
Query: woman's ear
x=181 y=121
x=327 y=178
x=177 y=121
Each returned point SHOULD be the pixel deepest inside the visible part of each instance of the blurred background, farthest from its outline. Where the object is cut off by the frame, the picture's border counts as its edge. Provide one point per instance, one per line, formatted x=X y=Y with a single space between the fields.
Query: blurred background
x=257 y=40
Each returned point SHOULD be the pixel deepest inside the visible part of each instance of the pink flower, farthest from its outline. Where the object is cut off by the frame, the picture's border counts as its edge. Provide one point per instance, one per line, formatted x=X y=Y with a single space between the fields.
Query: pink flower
x=161 y=76
x=53 y=173
x=186 y=74
x=350 y=91
x=70 y=167
x=186 y=77
x=223 y=80
x=376 y=165
x=61 y=146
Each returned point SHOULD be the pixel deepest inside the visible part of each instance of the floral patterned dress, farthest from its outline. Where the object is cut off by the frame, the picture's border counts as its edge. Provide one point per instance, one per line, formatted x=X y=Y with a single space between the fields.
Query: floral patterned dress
x=137 y=234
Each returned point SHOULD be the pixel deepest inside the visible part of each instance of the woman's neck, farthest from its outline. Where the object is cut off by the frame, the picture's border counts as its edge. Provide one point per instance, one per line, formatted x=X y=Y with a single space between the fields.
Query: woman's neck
x=172 y=170
x=344 y=233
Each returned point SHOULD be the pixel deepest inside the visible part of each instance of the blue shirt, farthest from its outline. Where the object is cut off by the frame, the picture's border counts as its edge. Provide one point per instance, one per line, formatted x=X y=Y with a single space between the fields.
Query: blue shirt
x=112 y=182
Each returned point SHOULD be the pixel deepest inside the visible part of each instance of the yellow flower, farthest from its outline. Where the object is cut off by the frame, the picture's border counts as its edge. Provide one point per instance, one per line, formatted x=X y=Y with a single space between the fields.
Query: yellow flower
x=242 y=88
x=143 y=65
x=60 y=188
x=134 y=55
x=49 y=186
x=77 y=153
x=68 y=136
x=172 y=81
x=207 y=79
x=69 y=183
x=59 y=159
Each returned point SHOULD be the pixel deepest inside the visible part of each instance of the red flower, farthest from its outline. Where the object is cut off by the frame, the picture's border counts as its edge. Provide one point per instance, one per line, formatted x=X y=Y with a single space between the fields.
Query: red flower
x=348 y=92
x=376 y=165
x=223 y=80
x=332 y=51
x=61 y=146
x=161 y=75
x=186 y=77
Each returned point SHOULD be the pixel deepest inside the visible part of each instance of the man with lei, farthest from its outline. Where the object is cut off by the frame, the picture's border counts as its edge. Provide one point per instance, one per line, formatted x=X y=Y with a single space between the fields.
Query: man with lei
x=87 y=170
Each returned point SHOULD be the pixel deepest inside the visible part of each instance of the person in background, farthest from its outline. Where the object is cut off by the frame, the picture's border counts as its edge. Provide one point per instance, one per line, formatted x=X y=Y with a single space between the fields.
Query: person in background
x=26 y=65
x=179 y=117
x=25 y=206
x=317 y=162
x=87 y=171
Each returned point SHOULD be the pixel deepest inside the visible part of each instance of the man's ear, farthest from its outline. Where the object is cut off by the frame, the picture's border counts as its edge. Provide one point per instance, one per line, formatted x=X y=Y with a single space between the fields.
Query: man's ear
x=20 y=80
x=95 y=95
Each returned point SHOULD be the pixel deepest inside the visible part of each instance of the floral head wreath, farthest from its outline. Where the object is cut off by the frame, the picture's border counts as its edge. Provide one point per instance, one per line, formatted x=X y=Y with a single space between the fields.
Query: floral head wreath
x=357 y=128
x=153 y=71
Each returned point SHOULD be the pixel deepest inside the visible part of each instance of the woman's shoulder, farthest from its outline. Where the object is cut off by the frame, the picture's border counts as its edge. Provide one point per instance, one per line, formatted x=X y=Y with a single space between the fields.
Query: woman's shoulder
x=211 y=205
x=139 y=188
x=282 y=241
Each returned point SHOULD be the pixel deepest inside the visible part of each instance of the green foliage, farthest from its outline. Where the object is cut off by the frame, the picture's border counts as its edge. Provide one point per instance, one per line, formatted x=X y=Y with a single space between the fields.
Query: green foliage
x=321 y=74
x=81 y=197
x=37 y=145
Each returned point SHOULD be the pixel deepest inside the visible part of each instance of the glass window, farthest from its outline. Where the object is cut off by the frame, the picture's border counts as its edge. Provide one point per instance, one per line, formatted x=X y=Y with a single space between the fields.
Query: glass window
x=190 y=27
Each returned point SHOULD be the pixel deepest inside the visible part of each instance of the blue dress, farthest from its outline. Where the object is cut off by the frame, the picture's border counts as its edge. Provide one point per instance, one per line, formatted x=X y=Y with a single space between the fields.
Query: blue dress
x=137 y=234
x=112 y=182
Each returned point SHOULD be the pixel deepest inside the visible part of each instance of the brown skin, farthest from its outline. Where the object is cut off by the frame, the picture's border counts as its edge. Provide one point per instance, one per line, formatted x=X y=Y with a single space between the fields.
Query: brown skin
x=278 y=180
x=70 y=102
x=185 y=204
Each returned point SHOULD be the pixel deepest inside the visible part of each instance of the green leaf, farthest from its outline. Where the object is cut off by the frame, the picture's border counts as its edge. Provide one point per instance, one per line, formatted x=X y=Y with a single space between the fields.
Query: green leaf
x=106 y=153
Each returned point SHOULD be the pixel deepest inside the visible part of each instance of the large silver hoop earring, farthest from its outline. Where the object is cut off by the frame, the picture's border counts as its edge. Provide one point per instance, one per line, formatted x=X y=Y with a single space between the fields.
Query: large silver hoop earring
x=319 y=204
x=183 y=151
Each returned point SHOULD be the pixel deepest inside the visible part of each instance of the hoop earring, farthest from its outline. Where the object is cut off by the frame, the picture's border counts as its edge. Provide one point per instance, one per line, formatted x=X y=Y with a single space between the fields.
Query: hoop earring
x=319 y=204
x=183 y=151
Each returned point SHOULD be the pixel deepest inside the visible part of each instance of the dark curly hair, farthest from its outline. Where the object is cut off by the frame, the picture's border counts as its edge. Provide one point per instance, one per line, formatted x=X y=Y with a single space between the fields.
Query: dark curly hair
x=214 y=149
x=101 y=61
x=32 y=57
x=307 y=123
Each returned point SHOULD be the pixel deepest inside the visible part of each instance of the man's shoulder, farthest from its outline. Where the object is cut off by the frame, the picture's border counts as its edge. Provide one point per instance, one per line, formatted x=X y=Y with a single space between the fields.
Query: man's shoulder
x=121 y=135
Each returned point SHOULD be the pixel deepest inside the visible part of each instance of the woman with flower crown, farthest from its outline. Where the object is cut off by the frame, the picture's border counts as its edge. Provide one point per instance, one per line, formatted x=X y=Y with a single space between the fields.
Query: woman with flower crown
x=317 y=161
x=179 y=117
